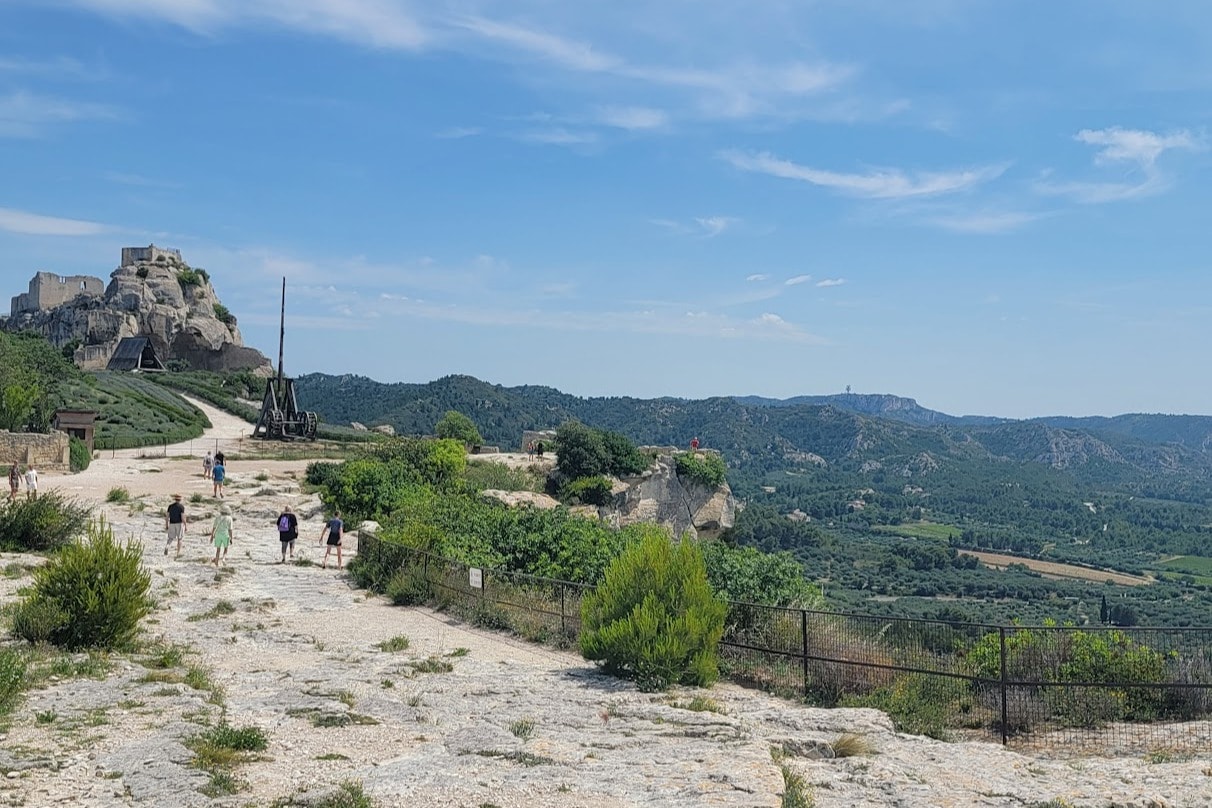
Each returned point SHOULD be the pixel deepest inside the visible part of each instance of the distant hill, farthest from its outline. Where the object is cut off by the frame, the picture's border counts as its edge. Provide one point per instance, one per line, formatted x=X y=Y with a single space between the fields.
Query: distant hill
x=847 y=432
x=881 y=405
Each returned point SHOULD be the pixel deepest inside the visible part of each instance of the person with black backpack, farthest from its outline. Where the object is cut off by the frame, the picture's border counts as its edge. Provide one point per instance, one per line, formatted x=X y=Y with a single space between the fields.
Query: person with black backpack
x=288 y=531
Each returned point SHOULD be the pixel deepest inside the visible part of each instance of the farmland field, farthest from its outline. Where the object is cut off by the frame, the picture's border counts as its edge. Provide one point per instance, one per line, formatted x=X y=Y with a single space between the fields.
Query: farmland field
x=1051 y=569
x=1195 y=565
x=133 y=411
x=919 y=530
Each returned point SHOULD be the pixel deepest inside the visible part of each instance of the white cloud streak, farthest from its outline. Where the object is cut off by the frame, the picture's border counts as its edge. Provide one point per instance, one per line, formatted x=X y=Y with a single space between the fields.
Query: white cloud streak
x=1138 y=149
x=797 y=280
x=24 y=114
x=890 y=183
x=826 y=283
x=757 y=277
x=33 y=224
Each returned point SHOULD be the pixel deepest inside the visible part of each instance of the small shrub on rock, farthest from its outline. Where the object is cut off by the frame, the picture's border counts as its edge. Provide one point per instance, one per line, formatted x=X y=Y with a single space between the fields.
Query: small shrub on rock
x=12 y=678
x=40 y=524
x=101 y=587
x=706 y=469
x=654 y=618
x=36 y=621
x=586 y=491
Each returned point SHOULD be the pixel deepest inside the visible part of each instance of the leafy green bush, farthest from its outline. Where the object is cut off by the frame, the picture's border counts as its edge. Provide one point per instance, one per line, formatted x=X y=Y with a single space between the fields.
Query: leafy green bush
x=580 y=451
x=117 y=495
x=408 y=587
x=623 y=458
x=654 y=618
x=12 y=678
x=223 y=315
x=457 y=426
x=706 y=468
x=36 y=621
x=192 y=277
x=80 y=456
x=586 y=491
x=100 y=585
x=321 y=472
x=1054 y=654
x=747 y=575
x=485 y=474
x=40 y=524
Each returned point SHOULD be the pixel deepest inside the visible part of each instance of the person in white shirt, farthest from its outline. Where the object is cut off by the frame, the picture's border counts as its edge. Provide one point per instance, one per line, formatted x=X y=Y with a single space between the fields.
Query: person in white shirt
x=31 y=483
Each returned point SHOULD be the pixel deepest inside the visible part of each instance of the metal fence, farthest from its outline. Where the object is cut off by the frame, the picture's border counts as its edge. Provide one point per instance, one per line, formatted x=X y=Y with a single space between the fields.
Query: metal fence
x=1109 y=691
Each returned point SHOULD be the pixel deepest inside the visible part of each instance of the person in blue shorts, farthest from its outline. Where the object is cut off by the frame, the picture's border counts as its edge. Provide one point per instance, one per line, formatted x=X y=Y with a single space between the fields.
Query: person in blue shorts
x=218 y=477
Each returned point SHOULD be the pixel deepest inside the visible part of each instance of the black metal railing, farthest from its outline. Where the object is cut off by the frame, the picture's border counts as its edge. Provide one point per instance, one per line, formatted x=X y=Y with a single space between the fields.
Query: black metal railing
x=1090 y=690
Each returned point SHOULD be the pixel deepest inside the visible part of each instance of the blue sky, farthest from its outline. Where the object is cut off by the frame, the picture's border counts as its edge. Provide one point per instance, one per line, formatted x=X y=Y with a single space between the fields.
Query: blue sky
x=995 y=208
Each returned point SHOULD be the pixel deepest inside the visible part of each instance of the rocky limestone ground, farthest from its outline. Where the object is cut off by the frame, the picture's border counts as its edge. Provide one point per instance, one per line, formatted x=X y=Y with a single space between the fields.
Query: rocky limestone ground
x=461 y=716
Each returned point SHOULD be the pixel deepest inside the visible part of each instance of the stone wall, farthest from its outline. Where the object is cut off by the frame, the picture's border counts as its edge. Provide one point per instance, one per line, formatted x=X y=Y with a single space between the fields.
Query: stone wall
x=135 y=255
x=48 y=290
x=45 y=452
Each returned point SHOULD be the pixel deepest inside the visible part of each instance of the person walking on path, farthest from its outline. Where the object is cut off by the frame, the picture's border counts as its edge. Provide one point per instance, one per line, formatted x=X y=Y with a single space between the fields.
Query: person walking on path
x=14 y=481
x=222 y=532
x=288 y=531
x=175 y=524
x=334 y=531
x=208 y=463
x=218 y=477
x=31 y=482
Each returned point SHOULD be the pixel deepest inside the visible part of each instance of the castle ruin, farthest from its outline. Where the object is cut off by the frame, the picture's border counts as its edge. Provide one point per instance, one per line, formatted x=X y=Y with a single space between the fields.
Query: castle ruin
x=149 y=255
x=48 y=290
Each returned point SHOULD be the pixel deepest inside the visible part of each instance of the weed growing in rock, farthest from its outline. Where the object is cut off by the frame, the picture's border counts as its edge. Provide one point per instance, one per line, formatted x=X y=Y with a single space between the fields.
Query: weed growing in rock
x=118 y=495
x=397 y=643
x=223 y=607
x=431 y=664
x=349 y=794
x=796 y=793
x=851 y=744
x=12 y=678
x=522 y=728
x=699 y=704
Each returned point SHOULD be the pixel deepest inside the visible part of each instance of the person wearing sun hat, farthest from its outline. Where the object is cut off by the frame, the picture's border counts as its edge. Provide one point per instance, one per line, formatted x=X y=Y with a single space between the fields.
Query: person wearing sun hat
x=175 y=524
x=221 y=534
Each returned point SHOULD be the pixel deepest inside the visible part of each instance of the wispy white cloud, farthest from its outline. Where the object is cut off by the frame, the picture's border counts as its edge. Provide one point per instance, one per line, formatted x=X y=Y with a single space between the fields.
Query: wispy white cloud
x=138 y=180
x=825 y=283
x=1137 y=149
x=890 y=183
x=704 y=226
x=59 y=67
x=714 y=225
x=373 y=23
x=33 y=224
x=24 y=114
x=1134 y=145
x=797 y=280
x=990 y=222
x=558 y=136
x=757 y=277
x=558 y=50
x=633 y=119
x=458 y=132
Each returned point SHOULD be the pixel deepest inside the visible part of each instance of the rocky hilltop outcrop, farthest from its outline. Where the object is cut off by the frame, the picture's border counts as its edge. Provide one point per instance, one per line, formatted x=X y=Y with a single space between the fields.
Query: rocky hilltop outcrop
x=658 y=495
x=159 y=297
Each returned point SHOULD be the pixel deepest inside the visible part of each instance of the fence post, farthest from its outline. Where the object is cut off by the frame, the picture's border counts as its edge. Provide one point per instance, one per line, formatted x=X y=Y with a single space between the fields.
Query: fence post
x=804 y=645
x=1005 y=707
x=563 y=624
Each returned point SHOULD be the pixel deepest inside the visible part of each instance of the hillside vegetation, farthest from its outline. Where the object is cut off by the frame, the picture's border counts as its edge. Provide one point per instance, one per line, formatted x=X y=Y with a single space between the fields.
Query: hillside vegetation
x=881 y=510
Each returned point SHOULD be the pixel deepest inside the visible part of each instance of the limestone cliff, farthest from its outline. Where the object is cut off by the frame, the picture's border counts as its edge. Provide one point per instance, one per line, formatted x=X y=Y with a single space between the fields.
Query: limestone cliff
x=657 y=495
x=163 y=299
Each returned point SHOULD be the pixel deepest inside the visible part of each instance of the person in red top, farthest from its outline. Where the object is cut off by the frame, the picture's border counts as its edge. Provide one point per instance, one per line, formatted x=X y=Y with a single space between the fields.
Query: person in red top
x=694 y=444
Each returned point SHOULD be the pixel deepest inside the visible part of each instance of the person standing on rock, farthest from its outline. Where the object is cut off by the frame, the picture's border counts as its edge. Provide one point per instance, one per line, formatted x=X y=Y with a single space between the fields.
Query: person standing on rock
x=175 y=524
x=218 y=477
x=31 y=482
x=222 y=533
x=14 y=481
x=288 y=531
x=208 y=463
x=334 y=531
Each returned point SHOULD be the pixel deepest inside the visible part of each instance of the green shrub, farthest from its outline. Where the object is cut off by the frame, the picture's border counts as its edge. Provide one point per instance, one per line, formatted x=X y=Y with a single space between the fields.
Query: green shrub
x=117 y=495
x=12 y=678
x=586 y=491
x=191 y=277
x=408 y=587
x=654 y=618
x=223 y=315
x=41 y=524
x=457 y=426
x=321 y=472
x=80 y=456
x=36 y=621
x=747 y=575
x=580 y=451
x=706 y=469
x=100 y=585
x=485 y=474
x=623 y=458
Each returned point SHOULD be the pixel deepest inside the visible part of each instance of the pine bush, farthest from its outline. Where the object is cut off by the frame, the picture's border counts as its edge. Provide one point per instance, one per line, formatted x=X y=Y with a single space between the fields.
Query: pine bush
x=654 y=617
x=44 y=523
x=101 y=587
x=79 y=456
x=36 y=621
